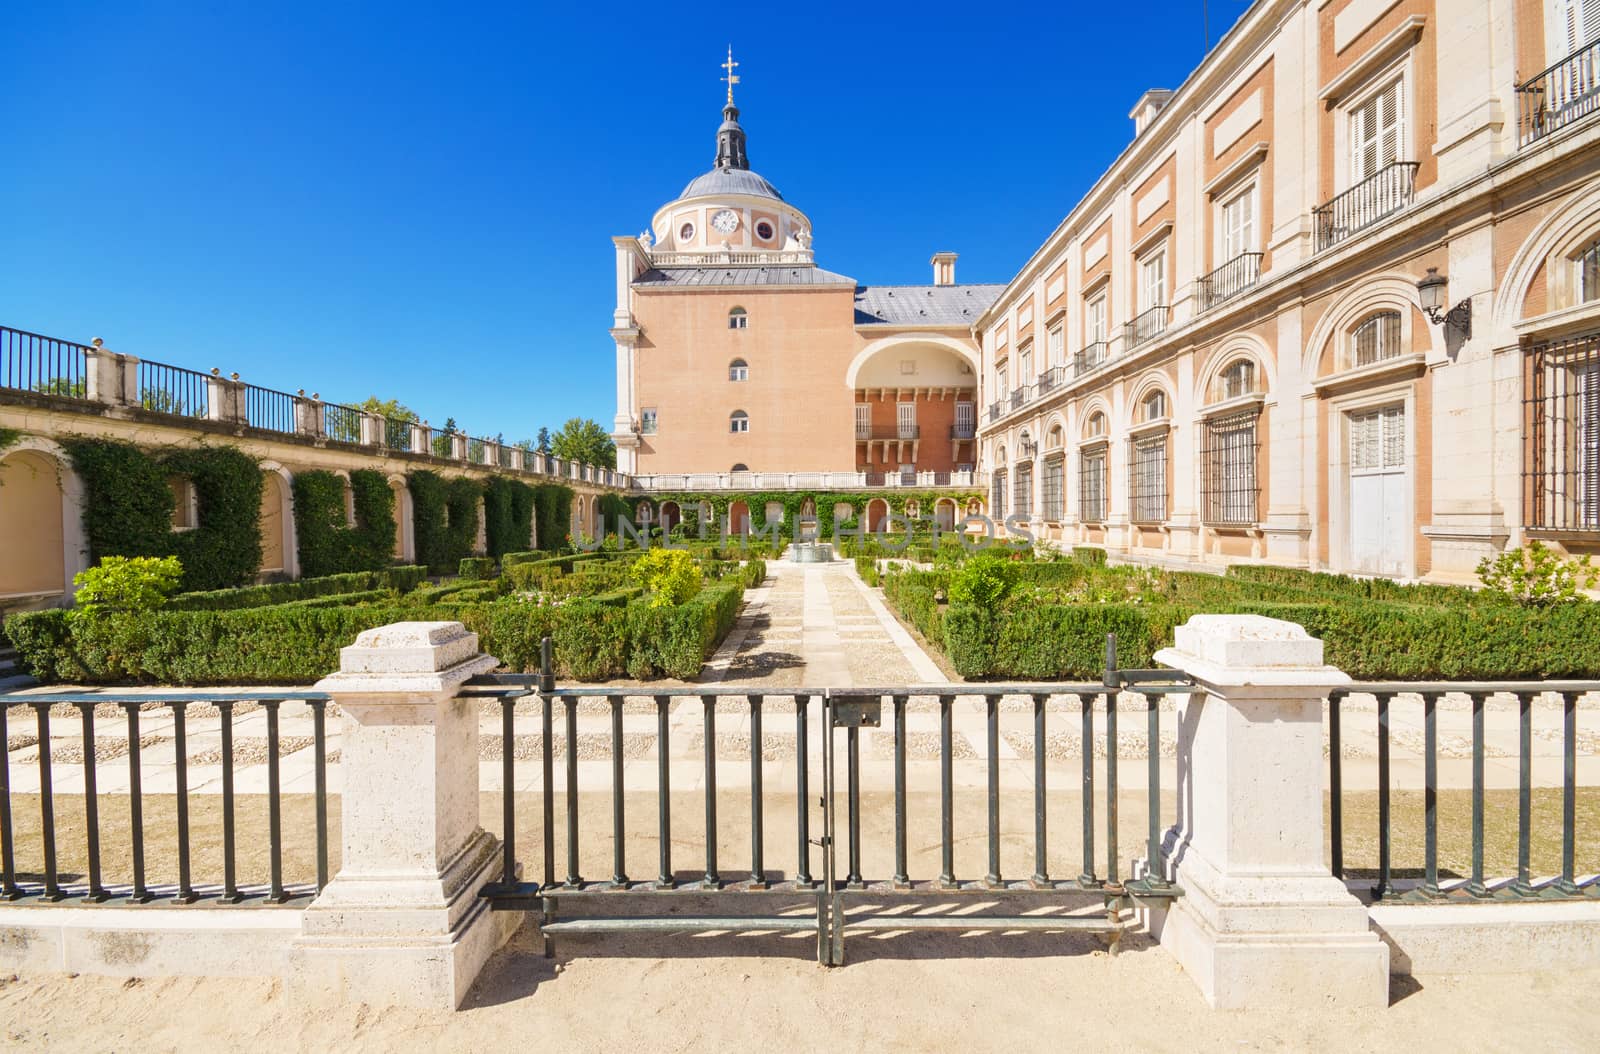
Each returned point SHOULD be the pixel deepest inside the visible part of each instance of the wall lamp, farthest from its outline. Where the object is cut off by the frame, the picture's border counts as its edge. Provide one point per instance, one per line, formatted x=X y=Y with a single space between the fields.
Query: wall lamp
x=1431 y=294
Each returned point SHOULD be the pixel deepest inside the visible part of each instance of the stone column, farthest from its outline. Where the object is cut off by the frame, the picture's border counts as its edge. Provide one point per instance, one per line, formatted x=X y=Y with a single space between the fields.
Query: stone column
x=402 y=923
x=1262 y=922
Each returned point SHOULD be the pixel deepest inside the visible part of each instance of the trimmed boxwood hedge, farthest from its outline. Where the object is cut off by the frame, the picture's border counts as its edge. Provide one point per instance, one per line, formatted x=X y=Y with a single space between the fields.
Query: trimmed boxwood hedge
x=508 y=506
x=399 y=579
x=328 y=544
x=444 y=514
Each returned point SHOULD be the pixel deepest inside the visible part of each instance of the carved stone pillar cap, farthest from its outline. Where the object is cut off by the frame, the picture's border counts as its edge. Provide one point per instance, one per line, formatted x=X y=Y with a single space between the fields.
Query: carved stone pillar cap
x=1249 y=649
x=408 y=657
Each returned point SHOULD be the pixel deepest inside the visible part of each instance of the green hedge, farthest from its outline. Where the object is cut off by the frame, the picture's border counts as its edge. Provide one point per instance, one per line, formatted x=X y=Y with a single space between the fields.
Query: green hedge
x=477 y=568
x=399 y=579
x=328 y=544
x=553 y=505
x=675 y=641
x=508 y=506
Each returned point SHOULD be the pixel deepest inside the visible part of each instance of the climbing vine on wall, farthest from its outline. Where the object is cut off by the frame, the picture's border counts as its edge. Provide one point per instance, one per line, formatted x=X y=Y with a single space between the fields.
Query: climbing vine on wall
x=508 y=506
x=128 y=507
x=444 y=517
x=329 y=545
x=554 y=502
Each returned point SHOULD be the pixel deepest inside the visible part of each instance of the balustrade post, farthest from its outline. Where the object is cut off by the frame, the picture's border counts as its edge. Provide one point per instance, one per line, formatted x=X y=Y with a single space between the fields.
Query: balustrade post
x=371 y=429
x=225 y=399
x=402 y=922
x=458 y=446
x=1262 y=921
x=110 y=378
x=421 y=438
x=309 y=417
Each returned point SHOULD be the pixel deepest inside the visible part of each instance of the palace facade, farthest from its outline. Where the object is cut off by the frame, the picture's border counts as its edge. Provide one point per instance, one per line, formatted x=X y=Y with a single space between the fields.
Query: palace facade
x=1336 y=305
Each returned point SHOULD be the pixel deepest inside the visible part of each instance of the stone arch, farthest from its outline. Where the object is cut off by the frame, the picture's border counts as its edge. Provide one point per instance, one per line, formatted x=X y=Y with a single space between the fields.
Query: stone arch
x=1237 y=346
x=1150 y=383
x=42 y=540
x=280 y=547
x=671 y=515
x=872 y=350
x=1546 y=239
x=877 y=514
x=738 y=519
x=405 y=528
x=944 y=513
x=578 y=518
x=1393 y=291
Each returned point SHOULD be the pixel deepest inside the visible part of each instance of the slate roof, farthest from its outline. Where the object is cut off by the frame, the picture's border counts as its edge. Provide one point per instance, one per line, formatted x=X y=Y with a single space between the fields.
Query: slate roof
x=721 y=181
x=771 y=274
x=923 y=305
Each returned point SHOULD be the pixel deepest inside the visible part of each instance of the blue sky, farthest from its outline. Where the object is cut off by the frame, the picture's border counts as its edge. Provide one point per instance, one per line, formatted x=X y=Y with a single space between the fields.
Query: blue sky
x=417 y=201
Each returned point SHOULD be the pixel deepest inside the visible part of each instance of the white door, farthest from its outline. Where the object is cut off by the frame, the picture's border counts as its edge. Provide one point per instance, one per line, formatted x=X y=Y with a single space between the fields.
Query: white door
x=906 y=418
x=966 y=419
x=1380 y=494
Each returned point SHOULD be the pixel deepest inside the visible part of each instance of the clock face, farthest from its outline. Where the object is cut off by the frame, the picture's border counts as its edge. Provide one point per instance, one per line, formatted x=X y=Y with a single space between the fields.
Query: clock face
x=726 y=221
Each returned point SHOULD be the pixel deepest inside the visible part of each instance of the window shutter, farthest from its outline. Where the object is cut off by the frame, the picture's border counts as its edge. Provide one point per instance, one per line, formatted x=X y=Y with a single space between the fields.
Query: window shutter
x=1391 y=123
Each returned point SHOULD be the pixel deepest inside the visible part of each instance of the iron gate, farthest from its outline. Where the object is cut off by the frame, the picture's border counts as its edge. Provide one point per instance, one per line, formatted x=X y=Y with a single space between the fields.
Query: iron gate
x=1108 y=894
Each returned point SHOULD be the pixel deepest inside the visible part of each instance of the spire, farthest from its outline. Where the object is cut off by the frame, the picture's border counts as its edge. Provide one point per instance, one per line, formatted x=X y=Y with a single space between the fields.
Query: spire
x=730 y=137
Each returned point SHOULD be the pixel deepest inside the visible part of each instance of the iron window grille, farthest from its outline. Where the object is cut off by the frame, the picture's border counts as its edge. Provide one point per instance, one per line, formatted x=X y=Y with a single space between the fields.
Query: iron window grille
x=1376 y=339
x=1147 y=477
x=1053 y=487
x=997 y=496
x=1022 y=491
x=1562 y=462
x=1228 y=458
x=1589 y=273
x=1092 y=484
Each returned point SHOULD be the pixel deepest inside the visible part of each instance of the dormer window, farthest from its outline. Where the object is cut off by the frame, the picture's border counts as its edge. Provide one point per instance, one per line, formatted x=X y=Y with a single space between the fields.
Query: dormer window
x=738 y=319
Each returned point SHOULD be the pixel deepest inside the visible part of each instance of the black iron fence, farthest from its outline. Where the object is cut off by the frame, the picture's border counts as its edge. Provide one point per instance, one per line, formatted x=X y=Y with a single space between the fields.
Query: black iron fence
x=1382 y=194
x=269 y=410
x=30 y=362
x=397 y=433
x=126 y=753
x=1560 y=95
x=1228 y=281
x=342 y=423
x=174 y=390
x=817 y=861
x=1476 y=885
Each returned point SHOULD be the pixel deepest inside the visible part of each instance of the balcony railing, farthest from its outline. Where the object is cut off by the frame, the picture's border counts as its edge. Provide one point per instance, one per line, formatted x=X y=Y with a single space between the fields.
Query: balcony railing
x=757 y=481
x=894 y=431
x=996 y=410
x=1229 y=280
x=173 y=390
x=759 y=257
x=1382 y=194
x=1145 y=326
x=270 y=410
x=1018 y=397
x=1052 y=378
x=33 y=363
x=968 y=430
x=1090 y=358
x=1560 y=95
x=342 y=423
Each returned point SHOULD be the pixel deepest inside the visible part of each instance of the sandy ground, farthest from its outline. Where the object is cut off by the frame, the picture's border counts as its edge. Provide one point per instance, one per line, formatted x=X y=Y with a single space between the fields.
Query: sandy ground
x=1013 y=993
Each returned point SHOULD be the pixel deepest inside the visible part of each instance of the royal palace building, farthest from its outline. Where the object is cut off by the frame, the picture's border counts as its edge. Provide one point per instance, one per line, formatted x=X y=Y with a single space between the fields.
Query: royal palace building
x=1336 y=305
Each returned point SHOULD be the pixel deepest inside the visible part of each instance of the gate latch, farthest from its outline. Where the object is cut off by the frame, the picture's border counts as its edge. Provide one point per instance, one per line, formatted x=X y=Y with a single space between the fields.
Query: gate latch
x=857 y=711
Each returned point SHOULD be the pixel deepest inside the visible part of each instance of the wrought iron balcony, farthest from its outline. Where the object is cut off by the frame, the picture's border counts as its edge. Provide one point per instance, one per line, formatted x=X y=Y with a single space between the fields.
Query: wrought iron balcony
x=1018 y=397
x=1560 y=95
x=995 y=410
x=1382 y=194
x=1090 y=358
x=1052 y=378
x=1229 y=280
x=963 y=431
x=1145 y=326
x=895 y=431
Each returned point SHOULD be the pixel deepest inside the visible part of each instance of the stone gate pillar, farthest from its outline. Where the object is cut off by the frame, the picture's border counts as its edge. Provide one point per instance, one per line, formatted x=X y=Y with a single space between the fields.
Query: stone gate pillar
x=401 y=923
x=1262 y=922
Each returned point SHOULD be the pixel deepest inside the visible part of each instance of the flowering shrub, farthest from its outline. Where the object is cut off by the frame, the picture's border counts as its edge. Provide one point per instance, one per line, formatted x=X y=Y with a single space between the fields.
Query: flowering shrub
x=1537 y=575
x=669 y=576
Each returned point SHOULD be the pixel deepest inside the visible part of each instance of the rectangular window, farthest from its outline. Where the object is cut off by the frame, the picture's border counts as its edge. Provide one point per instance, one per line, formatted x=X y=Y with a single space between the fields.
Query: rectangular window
x=906 y=419
x=1153 y=280
x=1053 y=489
x=1000 y=388
x=1025 y=365
x=1058 y=346
x=1228 y=463
x=1095 y=320
x=997 y=495
x=863 y=420
x=966 y=420
x=647 y=421
x=738 y=371
x=1239 y=224
x=1092 y=484
x=1563 y=456
x=908 y=475
x=1377 y=132
x=1147 y=478
x=1589 y=273
x=1022 y=492
x=1378 y=440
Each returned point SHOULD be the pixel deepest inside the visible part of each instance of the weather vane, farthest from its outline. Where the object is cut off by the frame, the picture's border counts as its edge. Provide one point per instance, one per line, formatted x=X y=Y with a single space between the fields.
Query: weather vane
x=732 y=78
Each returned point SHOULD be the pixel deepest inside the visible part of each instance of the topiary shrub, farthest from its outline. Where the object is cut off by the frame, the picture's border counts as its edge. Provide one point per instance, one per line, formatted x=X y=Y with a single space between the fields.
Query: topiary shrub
x=126 y=584
x=983 y=581
x=669 y=576
x=477 y=568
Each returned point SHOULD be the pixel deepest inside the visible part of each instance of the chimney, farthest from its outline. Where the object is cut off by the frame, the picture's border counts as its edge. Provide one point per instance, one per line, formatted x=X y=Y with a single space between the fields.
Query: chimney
x=944 y=268
x=1145 y=110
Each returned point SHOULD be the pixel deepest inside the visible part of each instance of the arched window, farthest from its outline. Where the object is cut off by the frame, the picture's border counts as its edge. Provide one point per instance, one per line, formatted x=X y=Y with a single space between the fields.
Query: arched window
x=738 y=421
x=1096 y=425
x=1238 y=378
x=1375 y=339
x=737 y=319
x=999 y=455
x=1155 y=405
x=1055 y=439
x=740 y=467
x=738 y=370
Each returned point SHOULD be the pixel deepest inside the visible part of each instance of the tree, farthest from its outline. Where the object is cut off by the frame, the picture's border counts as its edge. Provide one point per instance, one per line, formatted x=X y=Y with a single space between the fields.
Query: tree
x=393 y=409
x=584 y=441
x=61 y=386
x=544 y=440
x=441 y=441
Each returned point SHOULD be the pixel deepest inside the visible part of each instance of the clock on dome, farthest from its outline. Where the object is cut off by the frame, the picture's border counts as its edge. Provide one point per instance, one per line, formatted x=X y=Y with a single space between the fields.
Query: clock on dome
x=726 y=221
